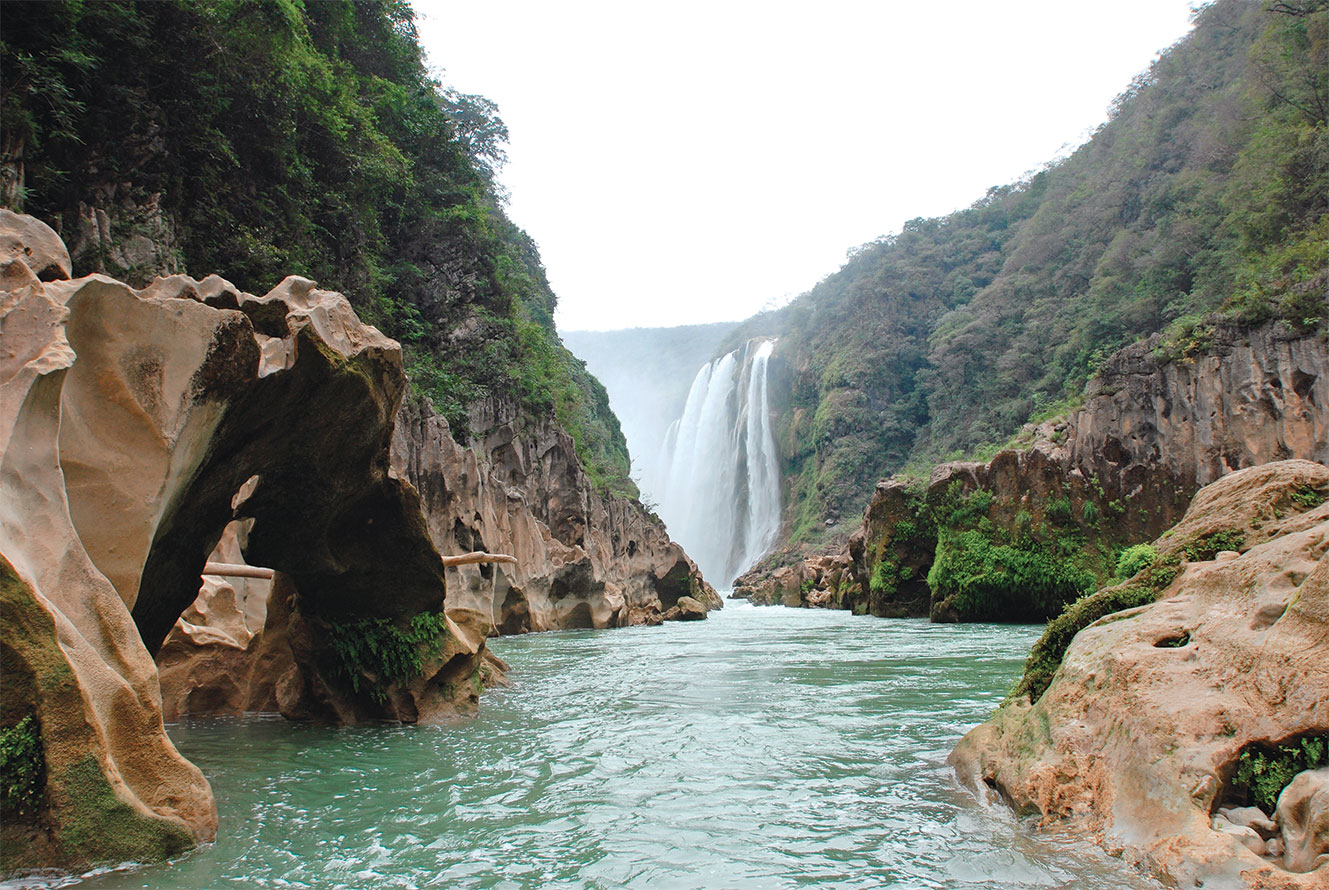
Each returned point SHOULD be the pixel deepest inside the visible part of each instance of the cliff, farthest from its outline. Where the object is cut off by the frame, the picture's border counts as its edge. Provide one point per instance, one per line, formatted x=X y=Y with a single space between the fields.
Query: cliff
x=1186 y=733
x=585 y=557
x=1198 y=204
x=136 y=426
x=1021 y=535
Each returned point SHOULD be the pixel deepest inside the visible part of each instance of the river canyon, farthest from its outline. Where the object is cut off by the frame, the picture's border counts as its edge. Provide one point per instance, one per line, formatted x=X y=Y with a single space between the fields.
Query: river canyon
x=997 y=558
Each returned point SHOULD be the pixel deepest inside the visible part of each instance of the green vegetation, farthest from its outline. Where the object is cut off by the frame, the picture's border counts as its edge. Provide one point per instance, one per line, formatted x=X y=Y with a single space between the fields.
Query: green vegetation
x=1307 y=498
x=376 y=648
x=1263 y=771
x=22 y=769
x=1198 y=208
x=1135 y=559
x=1207 y=546
x=261 y=138
x=1046 y=656
x=1021 y=581
x=1047 y=653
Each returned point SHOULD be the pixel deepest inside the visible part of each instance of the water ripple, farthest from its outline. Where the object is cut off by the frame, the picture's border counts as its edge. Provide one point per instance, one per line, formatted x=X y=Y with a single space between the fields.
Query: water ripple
x=763 y=748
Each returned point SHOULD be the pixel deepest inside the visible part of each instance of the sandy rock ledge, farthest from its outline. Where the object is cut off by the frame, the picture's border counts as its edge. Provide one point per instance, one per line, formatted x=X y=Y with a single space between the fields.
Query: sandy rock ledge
x=1137 y=739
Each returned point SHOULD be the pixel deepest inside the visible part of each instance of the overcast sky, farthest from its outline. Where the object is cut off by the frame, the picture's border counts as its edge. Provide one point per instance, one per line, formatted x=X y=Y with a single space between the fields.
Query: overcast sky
x=690 y=162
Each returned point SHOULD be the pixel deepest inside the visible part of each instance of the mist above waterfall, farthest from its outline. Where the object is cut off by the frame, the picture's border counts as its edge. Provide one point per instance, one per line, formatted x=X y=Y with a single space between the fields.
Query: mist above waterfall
x=718 y=472
x=703 y=455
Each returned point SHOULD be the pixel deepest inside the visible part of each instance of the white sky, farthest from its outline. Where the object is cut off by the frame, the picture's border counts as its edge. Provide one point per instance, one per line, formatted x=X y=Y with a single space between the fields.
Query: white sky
x=691 y=162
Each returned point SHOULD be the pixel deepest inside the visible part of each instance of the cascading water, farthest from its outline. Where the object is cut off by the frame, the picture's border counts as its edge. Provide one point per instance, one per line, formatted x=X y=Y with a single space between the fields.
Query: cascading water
x=719 y=483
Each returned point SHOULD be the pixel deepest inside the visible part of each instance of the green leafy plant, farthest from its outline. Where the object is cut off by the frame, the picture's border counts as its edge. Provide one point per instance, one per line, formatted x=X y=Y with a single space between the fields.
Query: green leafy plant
x=22 y=768
x=1263 y=771
x=378 y=649
x=1090 y=513
x=1059 y=510
x=1307 y=498
x=1135 y=559
x=1005 y=582
x=1206 y=547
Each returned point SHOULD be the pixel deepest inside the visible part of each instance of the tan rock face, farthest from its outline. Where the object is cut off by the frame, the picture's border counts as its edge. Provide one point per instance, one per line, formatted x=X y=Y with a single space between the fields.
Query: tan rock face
x=584 y=559
x=114 y=786
x=1259 y=396
x=1303 y=813
x=135 y=428
x=1139 y=733
x=1150 y=434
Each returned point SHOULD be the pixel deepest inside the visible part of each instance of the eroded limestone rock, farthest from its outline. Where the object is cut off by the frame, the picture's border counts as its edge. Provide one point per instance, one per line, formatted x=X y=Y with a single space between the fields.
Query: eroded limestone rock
x=1303 y=814
x=135 y=427
x=1137 y=734
x=584 y=559
x=115 y=788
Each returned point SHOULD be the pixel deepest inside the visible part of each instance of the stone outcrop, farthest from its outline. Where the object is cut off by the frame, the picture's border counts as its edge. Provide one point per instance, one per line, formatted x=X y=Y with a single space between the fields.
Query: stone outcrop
x=1151 y=432
x=1138 y=737
x=585 y=558
x=1257 y=395
x=136 y=427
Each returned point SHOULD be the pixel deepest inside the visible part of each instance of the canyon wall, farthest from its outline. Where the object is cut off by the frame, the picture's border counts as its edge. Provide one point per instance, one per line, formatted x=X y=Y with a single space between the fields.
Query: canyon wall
x=585 y=558
x=136 y=426
x=1118 y=470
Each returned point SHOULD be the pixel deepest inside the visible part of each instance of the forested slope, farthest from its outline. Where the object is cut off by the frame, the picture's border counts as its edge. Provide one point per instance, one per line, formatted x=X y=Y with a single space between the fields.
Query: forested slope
x=261 y=138
x=1202 y=201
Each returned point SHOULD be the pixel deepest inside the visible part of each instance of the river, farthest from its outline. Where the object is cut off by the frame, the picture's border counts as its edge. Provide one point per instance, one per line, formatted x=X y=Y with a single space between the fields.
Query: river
x=761 y=748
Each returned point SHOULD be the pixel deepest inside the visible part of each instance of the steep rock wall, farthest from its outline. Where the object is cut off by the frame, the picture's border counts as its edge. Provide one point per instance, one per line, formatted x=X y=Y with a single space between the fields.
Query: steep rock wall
x=1152 y=430
x=584 y=558
x=135 y=426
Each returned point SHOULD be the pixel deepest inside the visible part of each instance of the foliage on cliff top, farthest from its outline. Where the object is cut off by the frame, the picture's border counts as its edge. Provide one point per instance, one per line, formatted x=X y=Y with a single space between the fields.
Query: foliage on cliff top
x=261 y=138
x=1205 y=195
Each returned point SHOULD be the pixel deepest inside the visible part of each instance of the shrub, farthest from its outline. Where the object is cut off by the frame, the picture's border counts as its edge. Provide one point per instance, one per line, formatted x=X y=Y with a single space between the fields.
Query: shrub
x=1134 y=560
x=1004 y=582
x=1264 y=771
x=377 y=648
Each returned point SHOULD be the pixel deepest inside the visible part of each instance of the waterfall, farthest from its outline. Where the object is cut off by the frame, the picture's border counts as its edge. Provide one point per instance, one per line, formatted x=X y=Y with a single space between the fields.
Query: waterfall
x=718 y=479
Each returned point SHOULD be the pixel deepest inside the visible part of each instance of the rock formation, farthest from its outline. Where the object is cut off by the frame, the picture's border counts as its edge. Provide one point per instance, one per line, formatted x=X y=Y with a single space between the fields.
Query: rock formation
x=584 y=558
x=1138 y=738
x=1150 y=433
x=139 y=425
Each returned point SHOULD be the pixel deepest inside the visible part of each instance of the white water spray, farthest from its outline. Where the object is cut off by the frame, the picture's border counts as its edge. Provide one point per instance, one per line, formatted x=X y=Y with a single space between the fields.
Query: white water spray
x=720 y=484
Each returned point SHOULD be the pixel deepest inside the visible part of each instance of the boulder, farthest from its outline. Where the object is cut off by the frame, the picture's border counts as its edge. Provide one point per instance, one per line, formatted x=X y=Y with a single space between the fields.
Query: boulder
x=686 y=609
x=1140 y=731
x=35 y=244
x=1303 y=813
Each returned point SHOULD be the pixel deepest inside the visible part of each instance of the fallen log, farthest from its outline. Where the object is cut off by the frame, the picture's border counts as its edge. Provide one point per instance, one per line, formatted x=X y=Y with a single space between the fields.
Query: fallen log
x=478 y=556
x=232 y=570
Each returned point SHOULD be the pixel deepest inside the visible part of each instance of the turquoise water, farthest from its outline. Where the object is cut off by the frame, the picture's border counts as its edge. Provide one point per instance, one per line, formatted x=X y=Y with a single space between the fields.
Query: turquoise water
x=762 y=748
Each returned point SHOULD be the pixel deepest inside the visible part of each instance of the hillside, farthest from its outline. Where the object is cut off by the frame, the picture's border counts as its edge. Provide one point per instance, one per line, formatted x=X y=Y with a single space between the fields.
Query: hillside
x=1203 y=200
x=299 y=139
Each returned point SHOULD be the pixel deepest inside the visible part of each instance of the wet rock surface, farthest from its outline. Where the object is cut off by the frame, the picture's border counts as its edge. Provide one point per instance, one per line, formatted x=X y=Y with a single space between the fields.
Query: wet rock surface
x=1137 y=738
